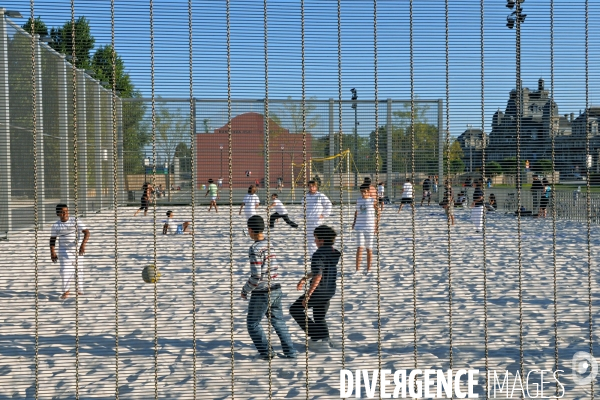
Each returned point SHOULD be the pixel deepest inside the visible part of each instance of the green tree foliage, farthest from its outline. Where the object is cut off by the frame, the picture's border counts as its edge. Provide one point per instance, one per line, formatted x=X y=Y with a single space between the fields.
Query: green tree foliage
x=102 y=65
x=292 y=117
x=172 y=128
x=493 y=168
x=62 y=41
x=544 y=166
x=409 y=130
x=509 y=165
x=184 y=154
x=135 y=131
x=453 y=159
x=36 y=27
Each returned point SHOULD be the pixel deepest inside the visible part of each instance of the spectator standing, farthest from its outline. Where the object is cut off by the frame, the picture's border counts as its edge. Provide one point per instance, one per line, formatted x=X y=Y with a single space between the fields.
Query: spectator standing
x=477 y=208
x=407 y=194
x=536 y=192
x=426 y=191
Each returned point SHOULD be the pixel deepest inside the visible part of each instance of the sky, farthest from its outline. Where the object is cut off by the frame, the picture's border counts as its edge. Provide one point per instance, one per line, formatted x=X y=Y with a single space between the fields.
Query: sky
x=378 y=57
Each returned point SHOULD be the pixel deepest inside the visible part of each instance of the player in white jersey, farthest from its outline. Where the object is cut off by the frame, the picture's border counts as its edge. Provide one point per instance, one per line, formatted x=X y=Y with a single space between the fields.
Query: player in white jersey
x=364 y=223
x=318 y=207
x=280 y=212
x=173 y=228
x=69 y=233
x=250 y=203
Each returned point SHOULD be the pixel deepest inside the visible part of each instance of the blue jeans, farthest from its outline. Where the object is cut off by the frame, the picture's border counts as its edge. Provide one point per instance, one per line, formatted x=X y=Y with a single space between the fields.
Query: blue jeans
x=258 y=307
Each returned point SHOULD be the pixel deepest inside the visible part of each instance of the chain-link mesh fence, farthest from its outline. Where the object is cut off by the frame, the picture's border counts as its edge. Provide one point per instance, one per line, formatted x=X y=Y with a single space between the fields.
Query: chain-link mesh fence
x=39 y=78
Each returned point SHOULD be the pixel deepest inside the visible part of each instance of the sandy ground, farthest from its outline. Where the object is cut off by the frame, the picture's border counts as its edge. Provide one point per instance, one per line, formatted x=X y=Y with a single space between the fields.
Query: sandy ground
x=124 y=335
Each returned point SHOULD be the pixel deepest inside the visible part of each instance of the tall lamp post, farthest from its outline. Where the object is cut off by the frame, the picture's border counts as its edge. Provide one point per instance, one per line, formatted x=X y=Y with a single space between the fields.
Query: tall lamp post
x=221 y=148
x=354 y=106
x=146 y=165
x=515 y=19
x=282 y=165
x=470 y=129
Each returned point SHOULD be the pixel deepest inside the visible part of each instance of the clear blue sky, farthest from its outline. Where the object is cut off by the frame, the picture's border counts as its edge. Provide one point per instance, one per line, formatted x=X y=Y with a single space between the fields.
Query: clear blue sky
x=171 y=34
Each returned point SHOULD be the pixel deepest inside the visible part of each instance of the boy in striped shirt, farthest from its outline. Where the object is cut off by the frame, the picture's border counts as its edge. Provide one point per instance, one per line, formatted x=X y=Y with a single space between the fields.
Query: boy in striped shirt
x=265 y=294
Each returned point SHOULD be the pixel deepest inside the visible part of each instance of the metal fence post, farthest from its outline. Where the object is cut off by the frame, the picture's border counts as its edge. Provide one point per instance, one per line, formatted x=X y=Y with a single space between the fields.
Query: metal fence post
x=121 y=194
x=98 y=151
x=441 y=141
x=82 y=143
x=5 y=167
x=331 y=163
x=39 y=112
x=63 y=123
x=390 y=150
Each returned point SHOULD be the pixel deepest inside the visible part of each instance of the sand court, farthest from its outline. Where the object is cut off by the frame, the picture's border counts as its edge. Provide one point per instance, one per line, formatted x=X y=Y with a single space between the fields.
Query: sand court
x=122 y=333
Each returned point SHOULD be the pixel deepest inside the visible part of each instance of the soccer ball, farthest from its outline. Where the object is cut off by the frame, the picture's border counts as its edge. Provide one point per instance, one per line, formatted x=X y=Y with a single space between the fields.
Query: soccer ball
x=150 y=274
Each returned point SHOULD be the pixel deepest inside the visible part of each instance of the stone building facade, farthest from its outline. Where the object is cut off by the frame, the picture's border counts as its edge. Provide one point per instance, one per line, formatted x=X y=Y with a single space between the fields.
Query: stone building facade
x=540 y=119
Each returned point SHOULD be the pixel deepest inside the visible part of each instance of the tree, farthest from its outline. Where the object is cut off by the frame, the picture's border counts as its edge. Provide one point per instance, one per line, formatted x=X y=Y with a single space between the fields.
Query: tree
x=509 y=165
x=292 y=117
x=62 y=41
x=424 y=142
x=36 y=27
x=135 y=131
x=493 y=168
x=184 y=154
x=172 y=128
x=545 y=166
x=102 y=65
x=453 y=159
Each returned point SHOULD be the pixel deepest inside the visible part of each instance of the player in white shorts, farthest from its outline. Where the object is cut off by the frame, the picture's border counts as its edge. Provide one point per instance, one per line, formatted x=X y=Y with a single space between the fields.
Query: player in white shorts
x=318 y=207
x=69 y=233
x=364 y=224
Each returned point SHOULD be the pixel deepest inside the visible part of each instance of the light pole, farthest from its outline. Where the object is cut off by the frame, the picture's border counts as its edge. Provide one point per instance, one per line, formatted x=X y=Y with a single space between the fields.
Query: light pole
x=221 y=148
x=281 y=183
x=516 y=18
x=146 y=165
x=470 y=129
x=354 y=104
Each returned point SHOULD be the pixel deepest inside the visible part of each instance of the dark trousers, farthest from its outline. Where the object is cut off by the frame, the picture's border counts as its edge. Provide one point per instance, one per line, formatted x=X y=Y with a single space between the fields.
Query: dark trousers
x=317 y=326
x=287 y=220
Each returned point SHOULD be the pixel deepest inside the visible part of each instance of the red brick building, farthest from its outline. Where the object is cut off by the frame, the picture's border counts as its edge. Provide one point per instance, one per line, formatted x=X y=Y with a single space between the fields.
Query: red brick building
x=248 y=152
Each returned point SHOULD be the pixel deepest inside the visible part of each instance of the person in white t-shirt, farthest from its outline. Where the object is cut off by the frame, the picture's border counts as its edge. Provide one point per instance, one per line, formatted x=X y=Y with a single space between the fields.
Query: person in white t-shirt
x=69 y=232
x=280 y=212
x=318 y=207
x=407 y=194
x=365 y=225
x=250 y=203
x=173 y=228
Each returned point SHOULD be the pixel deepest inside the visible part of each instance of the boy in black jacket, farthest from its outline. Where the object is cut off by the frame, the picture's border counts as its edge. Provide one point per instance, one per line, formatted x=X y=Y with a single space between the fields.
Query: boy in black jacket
x=322 y=277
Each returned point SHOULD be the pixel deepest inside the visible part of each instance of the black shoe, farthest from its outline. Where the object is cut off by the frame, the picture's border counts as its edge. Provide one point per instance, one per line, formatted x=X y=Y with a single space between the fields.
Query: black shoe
x=292 y=355
x=266 y=356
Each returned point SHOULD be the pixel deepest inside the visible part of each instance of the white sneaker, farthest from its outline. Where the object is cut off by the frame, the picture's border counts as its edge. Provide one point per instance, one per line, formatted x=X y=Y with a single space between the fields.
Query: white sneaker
x=319 y=346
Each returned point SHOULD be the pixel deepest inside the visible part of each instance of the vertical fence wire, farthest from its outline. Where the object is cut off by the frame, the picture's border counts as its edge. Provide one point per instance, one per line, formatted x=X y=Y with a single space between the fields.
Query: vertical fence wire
x=412 y=205
x=341 y=178
x=518 y=106
x=553 y=198
x=76 y=192
x=115 y=183
x=588 y=188
x=193 y=196
x=483 y=174
x=378 y=266
x=267 y=186
x=154 y=159
x=230 y=167
x=35 y=197
x=449 y=197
